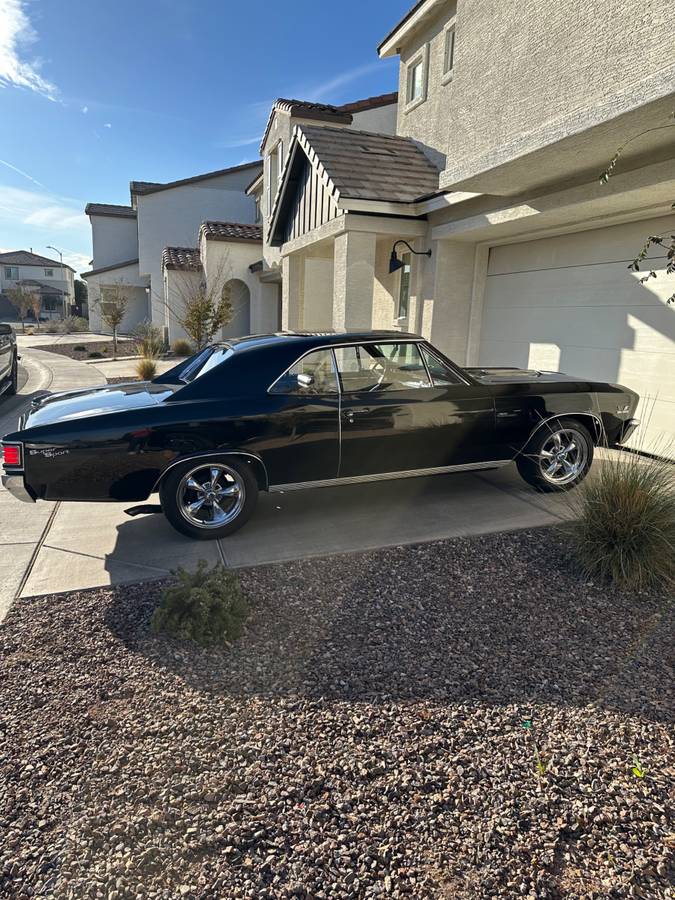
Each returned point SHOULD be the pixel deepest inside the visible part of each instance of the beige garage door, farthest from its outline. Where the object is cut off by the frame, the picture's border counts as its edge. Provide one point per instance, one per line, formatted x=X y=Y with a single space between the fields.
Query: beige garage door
x=569 y=304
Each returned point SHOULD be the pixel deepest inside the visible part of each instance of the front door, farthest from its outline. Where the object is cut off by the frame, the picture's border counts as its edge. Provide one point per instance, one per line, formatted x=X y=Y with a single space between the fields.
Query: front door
x=398 y=414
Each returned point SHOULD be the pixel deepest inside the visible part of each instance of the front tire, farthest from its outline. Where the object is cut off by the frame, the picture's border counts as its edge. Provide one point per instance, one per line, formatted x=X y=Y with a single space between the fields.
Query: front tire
x=557 y=457
x=208 y=499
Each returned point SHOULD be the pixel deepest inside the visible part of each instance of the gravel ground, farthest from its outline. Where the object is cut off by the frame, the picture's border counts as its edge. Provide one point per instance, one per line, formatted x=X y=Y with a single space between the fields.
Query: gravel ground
x=363 y=738
x=122 y=379
x=124 y=348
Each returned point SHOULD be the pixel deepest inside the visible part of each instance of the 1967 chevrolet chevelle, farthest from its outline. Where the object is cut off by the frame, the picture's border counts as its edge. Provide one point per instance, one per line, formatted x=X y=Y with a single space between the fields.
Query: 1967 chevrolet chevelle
x=281 y=411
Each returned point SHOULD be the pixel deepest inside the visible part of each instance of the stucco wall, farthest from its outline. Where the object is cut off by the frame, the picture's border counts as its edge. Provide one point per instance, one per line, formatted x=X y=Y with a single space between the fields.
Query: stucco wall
x=172 y=218
x=137 y=308
x=381 y=120
x=114 y=239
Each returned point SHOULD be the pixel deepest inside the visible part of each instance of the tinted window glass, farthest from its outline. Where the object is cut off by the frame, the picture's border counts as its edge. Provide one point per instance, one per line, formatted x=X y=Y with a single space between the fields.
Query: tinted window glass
x=381 y=367
x=313 y=374
x=440 y=373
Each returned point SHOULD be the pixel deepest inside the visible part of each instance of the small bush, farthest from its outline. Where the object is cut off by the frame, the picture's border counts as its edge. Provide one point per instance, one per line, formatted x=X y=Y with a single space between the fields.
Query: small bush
x=182 y=347
x=79 y=348
x=204 y=606
x=95 y=354
x=53 y=327
x=149 y=340
x=625 y=530
x=146 y=369
x=75 y=324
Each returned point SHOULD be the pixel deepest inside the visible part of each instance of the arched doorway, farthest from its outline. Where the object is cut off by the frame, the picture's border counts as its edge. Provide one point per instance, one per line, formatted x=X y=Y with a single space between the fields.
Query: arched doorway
x=240 y=298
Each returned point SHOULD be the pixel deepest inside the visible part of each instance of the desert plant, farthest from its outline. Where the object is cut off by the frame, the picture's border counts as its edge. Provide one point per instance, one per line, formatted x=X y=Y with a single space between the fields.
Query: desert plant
x=624 y=526
x=95 y=354
x=75 y=324
x=112 y=308
x=79 y=348
x=21 y=298
x=149 y=340
x=146 y=369
x=182 y=347
x=53 y=327
x=204 y=606
x=36 y=307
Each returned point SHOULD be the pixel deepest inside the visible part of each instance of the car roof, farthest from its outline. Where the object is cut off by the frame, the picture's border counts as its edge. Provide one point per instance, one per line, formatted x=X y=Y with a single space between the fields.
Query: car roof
x=316 y=338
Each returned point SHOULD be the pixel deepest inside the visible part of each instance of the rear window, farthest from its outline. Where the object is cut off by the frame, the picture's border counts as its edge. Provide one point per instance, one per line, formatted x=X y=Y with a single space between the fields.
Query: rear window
x=205 y=361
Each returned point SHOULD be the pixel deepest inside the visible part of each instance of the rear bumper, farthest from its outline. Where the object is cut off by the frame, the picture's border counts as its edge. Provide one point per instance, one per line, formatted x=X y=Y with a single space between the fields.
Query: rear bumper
x=627 y=429
x=16 y=486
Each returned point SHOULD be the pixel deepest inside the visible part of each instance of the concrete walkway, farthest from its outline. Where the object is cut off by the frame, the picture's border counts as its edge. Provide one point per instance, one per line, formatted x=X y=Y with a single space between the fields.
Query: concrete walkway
x=51 y=547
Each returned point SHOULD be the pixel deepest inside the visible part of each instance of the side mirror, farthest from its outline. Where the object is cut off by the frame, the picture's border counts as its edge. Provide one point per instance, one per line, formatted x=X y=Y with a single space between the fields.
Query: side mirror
x=305 y=380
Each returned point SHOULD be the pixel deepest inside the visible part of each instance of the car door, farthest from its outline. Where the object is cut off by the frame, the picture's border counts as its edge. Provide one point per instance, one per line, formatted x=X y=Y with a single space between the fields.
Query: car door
x=397 y=416
x=304 y=429
x=6 y=352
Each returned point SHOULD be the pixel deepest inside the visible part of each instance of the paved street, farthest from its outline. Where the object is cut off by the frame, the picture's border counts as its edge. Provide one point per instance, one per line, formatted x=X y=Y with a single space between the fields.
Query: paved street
x=51 y=547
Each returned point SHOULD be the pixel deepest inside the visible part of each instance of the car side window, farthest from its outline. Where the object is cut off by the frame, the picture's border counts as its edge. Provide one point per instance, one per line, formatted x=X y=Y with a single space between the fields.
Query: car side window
x=441 y=375
x=381 y=367
x=311 y=375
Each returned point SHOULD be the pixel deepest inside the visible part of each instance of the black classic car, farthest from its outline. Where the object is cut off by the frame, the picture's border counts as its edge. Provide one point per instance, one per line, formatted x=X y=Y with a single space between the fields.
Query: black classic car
x=283 y=411
x=9 y=360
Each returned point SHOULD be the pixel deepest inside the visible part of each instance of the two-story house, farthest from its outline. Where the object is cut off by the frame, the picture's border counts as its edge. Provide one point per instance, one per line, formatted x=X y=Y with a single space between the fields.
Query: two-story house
x=50 y=279
x=507 y=115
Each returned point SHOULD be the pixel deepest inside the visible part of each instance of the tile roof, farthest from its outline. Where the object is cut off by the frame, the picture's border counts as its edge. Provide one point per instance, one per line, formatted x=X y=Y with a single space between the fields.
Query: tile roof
x=25 y=258
x=367 y=166
x=230 y=231
x=109 y=209
x=306 y=109
x=186 y=258
x=44 y=288
x=119 y=265
x=151 y=187
x=370 y=103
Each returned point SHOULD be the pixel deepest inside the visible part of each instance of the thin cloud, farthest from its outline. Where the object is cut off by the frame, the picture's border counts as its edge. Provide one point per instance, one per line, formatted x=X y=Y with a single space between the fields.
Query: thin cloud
x=21 y=172
x=85 y=110
x=42 y=210
x=107 y=125
x=243 y=142
x=326 y=88
x=16 y=33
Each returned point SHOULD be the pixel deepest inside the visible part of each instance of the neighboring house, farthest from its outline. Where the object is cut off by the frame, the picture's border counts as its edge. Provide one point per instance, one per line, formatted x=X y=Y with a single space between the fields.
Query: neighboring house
x=507 y=115
x=50 y=279
x=128 y=241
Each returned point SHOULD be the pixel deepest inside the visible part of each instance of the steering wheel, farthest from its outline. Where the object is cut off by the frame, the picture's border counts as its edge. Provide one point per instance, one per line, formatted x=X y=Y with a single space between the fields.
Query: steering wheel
x=381 y=370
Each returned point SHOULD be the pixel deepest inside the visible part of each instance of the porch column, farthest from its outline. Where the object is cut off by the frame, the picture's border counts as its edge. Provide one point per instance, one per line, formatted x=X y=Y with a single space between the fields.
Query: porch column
x=354 y=278
x=292 y=291
x=447 y=323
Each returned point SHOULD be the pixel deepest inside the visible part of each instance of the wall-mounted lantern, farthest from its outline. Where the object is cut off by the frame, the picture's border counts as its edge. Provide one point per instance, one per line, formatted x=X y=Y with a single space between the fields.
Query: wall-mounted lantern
x=395 y=263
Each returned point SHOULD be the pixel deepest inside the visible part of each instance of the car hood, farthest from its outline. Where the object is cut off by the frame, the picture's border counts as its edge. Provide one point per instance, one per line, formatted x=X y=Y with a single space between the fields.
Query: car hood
x=66 y=406
x=513 y=375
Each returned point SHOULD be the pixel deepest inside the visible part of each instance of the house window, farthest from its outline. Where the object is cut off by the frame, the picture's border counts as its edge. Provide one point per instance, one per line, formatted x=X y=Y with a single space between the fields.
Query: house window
x=49 y=273
x=404 y=288
x=449 y=53
x=416 y=81
x=258 y=211
x=275 y=161
x=51 y=302
x=12 y=272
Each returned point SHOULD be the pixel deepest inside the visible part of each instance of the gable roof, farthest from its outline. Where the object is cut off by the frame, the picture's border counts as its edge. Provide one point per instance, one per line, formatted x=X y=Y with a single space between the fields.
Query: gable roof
x=370 y=103
x=25 y=258
x=43 y=288
x=411 y=20
x=152 y=187
x=111 y=268
x=109 y=209
x=230 y=231
x=186 y=258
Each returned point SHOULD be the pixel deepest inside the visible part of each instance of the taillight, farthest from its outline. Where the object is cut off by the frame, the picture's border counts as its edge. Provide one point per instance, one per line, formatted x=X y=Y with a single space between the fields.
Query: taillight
x=11 y=454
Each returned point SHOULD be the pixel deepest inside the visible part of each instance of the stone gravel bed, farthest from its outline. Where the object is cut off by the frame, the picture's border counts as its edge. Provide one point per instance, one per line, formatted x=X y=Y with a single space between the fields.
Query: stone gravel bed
x=124 y=348
x=364 y=737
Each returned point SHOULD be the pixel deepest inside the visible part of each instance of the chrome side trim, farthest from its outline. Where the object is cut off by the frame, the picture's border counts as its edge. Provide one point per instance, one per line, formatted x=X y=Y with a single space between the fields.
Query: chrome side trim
x=387 y=476
x=208 y=454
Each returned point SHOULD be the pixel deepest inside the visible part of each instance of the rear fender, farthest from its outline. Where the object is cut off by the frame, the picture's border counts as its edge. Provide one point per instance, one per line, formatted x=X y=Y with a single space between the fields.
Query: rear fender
x=256 y=463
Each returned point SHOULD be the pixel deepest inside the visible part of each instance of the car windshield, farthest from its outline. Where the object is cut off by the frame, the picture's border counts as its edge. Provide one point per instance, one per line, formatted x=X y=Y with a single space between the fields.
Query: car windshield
x=205 y=361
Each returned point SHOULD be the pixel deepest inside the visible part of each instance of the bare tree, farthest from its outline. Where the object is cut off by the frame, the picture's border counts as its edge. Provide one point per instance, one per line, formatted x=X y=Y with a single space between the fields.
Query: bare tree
x=203 y=307
x=665 y=241
x=21 y=298
x=112 y=306
x=36 y=306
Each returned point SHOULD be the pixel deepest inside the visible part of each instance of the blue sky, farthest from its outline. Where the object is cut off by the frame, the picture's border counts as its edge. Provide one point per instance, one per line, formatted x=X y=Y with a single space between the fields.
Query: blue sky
x=94 y=93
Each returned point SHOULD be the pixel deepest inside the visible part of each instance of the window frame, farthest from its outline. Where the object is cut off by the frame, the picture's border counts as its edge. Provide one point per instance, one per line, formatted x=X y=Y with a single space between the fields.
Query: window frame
x=277 y=154
x=49 y=273
x=8 y=273
x=338 y=393
x=450 y=29
x=421 y=58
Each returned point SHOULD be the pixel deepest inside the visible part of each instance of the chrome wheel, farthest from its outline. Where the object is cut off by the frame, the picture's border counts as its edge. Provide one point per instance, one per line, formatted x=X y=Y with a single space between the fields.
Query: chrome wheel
x=211 y=496
x=563 y=456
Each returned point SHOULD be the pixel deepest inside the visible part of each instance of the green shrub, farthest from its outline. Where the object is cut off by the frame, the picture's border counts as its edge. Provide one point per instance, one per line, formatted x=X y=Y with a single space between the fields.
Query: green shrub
x=625 y=525
x=79 y=348
x=95 y=354
x=146 y=369
x=182 y=347
x=204 y=606
x=149 y=340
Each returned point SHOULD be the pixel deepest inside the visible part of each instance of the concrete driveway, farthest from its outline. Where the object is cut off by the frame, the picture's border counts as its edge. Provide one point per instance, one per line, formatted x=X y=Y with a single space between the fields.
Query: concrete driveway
x=52 y=547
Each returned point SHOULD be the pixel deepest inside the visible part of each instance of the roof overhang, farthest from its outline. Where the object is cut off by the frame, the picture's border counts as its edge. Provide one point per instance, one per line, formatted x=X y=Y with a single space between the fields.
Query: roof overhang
x=119 y=265
x=256 y=186
x=408 y=25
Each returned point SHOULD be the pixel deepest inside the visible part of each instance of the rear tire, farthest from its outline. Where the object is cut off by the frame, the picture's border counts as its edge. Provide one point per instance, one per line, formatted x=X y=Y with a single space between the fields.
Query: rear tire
x=207 y=499
x=557 y=457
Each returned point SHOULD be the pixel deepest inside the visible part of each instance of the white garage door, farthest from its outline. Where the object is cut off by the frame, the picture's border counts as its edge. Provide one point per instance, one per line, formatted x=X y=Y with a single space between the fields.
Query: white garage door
x=569 y=304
